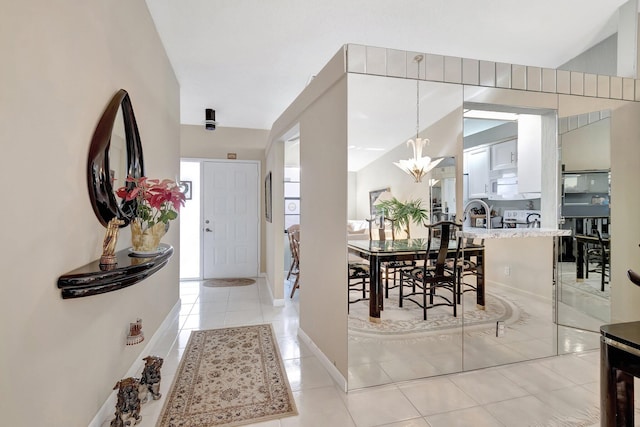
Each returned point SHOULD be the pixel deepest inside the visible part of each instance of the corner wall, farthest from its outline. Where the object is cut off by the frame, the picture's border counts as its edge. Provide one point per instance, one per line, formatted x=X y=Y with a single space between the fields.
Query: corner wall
x=61 y=64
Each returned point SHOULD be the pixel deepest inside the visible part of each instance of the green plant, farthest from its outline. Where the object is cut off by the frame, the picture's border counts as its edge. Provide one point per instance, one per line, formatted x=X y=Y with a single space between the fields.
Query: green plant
x=404 y=213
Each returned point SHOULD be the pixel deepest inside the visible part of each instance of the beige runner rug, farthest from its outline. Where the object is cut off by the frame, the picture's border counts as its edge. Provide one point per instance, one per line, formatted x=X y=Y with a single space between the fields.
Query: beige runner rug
x=229 y=377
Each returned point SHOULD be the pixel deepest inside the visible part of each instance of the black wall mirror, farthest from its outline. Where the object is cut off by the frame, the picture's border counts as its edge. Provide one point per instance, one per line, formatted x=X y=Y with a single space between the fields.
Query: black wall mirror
x=118 y=123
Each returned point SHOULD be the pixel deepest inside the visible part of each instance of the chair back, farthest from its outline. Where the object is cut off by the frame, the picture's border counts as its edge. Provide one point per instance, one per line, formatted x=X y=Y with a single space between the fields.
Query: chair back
x=440 y=235
x=294 y=240
x=387 y=224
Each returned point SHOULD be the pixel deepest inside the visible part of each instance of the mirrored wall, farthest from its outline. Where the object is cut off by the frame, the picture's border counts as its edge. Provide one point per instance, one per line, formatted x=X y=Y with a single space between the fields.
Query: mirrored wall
x=534 y=307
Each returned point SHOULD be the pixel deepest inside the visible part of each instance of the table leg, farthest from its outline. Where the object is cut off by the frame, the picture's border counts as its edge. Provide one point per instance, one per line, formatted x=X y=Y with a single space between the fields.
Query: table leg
x=616 y=389
x=374 y=289
x=480 y=280
x=580 y=262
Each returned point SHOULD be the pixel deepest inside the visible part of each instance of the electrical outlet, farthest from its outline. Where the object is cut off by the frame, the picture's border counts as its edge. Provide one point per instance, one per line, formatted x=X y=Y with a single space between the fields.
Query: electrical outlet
x=507 y=271
x=500 y=329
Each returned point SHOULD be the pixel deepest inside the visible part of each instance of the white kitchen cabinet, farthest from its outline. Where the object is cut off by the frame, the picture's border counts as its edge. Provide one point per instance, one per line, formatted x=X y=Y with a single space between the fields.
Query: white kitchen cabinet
x=478 y=162
x=529 y=153
x=504 y=155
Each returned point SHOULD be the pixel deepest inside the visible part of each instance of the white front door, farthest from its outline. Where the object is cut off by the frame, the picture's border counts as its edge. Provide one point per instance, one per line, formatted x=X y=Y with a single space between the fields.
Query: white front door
x=230 y=219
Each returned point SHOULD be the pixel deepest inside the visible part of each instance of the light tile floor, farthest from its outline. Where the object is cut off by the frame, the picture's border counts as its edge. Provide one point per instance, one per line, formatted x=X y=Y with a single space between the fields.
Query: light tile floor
x=553 y=391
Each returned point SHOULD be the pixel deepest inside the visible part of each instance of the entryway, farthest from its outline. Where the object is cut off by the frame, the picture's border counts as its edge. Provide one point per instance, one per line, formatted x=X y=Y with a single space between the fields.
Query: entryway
x=220 y=223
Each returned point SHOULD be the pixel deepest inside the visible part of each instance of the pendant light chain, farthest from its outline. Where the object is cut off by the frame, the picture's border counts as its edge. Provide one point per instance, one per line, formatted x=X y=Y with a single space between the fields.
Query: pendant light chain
x=418 y=59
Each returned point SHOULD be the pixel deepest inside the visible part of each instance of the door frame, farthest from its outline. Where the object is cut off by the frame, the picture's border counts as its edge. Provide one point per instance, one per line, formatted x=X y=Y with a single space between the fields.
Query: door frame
x=202 y=160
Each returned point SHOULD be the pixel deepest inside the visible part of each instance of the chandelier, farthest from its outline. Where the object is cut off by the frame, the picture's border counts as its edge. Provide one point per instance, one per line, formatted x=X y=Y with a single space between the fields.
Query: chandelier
x=418 y=166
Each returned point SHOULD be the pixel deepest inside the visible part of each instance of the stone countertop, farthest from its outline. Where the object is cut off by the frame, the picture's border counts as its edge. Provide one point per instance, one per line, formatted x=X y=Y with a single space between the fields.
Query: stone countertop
x=511 y=233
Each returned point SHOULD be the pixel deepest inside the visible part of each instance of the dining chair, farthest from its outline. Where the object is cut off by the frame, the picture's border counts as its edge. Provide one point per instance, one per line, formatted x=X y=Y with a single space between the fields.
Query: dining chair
x=390 y=268
x=466 y=266
x=601 y=253
x=357 y=281
x=294 y=244
x=433 y=276
x=293 y=269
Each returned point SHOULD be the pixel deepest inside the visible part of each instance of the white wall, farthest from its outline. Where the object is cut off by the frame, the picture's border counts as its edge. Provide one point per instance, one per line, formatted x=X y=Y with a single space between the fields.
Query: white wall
x=61 y=64
x=587 y=147
x=322 y=294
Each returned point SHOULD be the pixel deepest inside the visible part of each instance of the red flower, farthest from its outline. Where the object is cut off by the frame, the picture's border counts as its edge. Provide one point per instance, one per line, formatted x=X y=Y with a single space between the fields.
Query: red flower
x=158 y=201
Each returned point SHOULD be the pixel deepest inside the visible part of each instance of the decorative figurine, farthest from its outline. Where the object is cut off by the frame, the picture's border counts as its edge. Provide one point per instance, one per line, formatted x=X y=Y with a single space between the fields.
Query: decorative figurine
x=108 y=257
x=136 y=336
x=151 y=375
x=128 y=402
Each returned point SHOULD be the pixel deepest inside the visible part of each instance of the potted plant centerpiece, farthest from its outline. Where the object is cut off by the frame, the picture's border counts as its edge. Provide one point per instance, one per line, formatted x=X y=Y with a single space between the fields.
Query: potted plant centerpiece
x=404 y=213
x=157 y=203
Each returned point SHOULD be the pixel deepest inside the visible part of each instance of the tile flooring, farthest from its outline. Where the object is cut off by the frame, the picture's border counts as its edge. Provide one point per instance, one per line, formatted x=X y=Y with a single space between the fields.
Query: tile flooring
x=553 y=391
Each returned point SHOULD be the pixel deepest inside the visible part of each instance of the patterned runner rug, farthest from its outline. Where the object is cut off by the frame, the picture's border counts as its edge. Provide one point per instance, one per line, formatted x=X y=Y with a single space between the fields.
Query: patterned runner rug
x=229 y=377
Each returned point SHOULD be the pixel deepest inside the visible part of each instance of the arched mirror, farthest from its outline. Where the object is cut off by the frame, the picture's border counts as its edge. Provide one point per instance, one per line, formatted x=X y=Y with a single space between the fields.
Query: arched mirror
x=115 y=153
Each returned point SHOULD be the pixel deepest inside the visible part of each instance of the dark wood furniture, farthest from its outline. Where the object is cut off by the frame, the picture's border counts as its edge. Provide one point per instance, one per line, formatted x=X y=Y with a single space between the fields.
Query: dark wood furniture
x=424 y=282
x=93 y=278
x=619 y=364
x=582 y=260
x=378 y=251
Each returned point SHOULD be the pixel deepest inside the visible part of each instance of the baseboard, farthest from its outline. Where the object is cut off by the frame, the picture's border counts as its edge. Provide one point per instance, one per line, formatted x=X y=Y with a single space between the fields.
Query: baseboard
x=108 y=408
x=330 y=367
x=275 y=302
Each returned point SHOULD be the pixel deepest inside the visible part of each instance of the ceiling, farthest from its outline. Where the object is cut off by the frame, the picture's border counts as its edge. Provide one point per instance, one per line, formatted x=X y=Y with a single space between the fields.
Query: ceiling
x=249 y=59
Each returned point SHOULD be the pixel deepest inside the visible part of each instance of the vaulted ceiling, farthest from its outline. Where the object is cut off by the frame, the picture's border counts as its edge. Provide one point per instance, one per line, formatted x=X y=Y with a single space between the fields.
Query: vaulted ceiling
x=249 y=59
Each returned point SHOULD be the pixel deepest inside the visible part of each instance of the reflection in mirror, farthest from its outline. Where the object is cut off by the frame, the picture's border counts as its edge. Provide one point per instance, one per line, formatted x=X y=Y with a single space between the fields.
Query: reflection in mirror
x=106 y=167
x=503 y=152
x=442 y=188
x=584 y=288
x=381 y=118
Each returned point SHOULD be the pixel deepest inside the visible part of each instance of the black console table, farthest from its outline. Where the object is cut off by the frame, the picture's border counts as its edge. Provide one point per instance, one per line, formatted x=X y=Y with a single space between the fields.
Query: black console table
x=93 y=278
x=619 y=364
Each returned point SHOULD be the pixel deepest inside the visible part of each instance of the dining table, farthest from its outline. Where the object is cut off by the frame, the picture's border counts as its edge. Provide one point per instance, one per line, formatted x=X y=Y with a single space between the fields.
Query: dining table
x=380 y=251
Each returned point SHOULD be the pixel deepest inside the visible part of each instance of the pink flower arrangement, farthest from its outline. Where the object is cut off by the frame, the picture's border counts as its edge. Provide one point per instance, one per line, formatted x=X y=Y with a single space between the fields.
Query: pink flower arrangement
x=157 y=201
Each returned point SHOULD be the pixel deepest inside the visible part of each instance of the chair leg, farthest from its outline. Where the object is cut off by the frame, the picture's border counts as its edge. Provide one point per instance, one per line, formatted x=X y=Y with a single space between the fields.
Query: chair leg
x=400 y=291
x=424 y=301
x=296 y=285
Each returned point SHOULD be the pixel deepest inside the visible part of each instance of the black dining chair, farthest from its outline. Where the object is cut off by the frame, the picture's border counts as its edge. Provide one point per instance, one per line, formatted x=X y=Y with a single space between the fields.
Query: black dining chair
x=426 y=283
x=600 y=253
x=389 y=268
x=466 y=266
x=357 y=282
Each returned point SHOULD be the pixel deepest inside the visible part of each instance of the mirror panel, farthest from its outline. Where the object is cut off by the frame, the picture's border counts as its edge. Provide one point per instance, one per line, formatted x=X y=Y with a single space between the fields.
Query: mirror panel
x=382 y=116
x=106 y=170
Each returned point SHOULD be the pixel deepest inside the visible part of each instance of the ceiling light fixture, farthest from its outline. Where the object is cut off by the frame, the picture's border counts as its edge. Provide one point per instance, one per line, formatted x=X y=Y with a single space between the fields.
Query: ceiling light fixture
x=418 y=166
x=210 y=119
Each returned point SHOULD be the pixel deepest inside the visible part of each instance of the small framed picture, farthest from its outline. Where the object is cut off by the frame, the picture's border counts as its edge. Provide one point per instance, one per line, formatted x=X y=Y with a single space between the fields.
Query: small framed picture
x=185 y=187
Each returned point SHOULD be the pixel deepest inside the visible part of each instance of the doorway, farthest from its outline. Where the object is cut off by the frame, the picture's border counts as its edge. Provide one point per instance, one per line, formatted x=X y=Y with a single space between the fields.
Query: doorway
x=224 y=199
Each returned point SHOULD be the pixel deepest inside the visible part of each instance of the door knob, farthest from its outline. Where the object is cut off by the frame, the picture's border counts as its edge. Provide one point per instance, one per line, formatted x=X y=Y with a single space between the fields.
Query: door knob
x=208 y=230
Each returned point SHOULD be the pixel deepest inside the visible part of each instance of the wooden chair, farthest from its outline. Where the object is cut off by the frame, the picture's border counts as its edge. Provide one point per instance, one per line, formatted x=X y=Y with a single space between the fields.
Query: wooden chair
x=294 y=245
x=433 y=276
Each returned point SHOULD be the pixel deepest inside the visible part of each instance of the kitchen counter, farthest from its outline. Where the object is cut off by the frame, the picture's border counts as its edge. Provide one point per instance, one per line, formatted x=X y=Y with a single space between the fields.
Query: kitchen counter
x=510 y=233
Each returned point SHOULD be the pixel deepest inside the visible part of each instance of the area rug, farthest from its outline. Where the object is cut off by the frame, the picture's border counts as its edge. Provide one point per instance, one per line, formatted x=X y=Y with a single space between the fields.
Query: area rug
x=408 y=321
x=229 y=377
x=219 y=283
